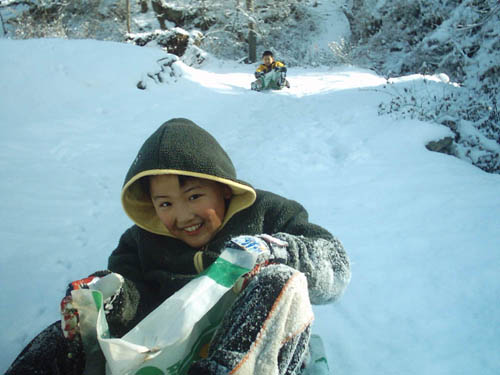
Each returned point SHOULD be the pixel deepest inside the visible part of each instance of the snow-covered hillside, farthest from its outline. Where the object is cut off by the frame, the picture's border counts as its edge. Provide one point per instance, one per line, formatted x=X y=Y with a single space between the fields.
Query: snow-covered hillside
x=422 y=229
x=459 y=38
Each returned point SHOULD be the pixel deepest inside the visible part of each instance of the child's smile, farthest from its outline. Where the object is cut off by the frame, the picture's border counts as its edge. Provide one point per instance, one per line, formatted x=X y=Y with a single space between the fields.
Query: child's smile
x=193 y=229
x=192 y=210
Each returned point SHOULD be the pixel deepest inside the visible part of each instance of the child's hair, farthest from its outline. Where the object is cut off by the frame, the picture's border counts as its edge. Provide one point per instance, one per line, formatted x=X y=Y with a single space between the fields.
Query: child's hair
x=267 y=53
x=146 y=185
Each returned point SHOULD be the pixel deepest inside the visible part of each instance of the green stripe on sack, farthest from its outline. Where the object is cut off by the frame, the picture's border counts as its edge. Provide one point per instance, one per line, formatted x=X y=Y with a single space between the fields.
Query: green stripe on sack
x=150 y=370
x=224 y=273
x=97 y=299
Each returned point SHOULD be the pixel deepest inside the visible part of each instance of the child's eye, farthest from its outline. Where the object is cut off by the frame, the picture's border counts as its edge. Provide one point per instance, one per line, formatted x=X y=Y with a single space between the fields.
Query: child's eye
x=165 y=204
x=194 y=196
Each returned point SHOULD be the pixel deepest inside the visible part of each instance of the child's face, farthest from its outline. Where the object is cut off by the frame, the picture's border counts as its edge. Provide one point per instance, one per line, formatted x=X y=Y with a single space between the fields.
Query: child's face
x=267 y=60
x=192 y=212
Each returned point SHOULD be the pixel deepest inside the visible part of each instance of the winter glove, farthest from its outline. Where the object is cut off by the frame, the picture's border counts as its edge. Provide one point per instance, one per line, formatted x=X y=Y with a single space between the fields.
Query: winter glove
x=69 y=314
x=110 y=285
x=269 y=250
x=259 y=74
x=281 y=69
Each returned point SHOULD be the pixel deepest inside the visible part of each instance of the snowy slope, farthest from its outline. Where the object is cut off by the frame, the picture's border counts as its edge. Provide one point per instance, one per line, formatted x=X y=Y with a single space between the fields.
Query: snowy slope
x=422 y=229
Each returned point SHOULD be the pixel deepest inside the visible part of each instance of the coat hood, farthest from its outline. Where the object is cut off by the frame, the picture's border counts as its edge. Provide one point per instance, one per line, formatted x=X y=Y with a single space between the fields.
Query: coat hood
x=180 y=147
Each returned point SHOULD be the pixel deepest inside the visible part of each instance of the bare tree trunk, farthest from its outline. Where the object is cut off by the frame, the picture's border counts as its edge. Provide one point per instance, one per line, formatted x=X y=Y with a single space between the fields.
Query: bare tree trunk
x=128 y=15
x=252 y=36
x=3 y=25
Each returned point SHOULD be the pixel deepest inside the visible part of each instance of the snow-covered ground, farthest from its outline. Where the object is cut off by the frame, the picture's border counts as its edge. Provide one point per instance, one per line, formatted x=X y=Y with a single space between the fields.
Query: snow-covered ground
x=422 y=229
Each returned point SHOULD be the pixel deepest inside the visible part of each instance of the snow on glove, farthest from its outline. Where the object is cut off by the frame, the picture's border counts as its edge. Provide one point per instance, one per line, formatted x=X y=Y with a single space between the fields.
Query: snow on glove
x=69 y=314
x=121 y=300
x=269 y=250
x=278 y=248
x=110 y=285
x=259 y=74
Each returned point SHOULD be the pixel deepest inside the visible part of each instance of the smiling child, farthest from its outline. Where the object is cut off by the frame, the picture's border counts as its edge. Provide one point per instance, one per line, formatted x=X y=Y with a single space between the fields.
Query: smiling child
x=187 y=205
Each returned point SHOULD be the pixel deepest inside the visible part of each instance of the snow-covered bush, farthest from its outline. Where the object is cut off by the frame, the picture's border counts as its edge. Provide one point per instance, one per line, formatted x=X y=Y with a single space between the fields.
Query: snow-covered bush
x=95 y=19
x=167 y=72
x=25 y=20
x=460 y=38
x=437 y=100
x=342 y=51
x=173 y=41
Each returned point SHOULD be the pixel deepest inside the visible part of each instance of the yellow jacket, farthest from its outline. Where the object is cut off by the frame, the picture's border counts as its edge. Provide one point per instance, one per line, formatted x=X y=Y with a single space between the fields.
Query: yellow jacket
x=266 y=69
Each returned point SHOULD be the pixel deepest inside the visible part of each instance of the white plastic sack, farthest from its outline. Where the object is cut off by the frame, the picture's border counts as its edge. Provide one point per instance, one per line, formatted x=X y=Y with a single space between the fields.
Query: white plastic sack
x=169 y=339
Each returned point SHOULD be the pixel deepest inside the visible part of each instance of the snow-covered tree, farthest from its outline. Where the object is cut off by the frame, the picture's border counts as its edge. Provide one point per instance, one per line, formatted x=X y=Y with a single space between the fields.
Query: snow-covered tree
x=460 y=38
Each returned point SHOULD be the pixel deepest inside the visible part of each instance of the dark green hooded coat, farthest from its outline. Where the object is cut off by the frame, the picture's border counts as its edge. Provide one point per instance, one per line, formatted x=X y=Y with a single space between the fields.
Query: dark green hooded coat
x=155 y=264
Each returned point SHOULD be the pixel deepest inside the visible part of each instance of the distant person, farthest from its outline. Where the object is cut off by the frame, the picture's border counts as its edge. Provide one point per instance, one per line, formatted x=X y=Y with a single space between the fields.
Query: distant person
x=271 y=74
x=188 y=206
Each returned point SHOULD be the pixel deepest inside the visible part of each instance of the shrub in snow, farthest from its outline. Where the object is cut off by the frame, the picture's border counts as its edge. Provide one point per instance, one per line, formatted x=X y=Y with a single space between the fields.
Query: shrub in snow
x=455 y=37
x=342 y=51
x=172 y=41
x=434 y=99
x=95 y=19
x=37 y=21
x=166 y=72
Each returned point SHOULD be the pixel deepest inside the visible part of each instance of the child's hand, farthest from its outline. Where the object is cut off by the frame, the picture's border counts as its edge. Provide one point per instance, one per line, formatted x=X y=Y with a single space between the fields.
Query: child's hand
x=70 y=321
x=110 y=286
x=251 y=244
x=268 y=250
